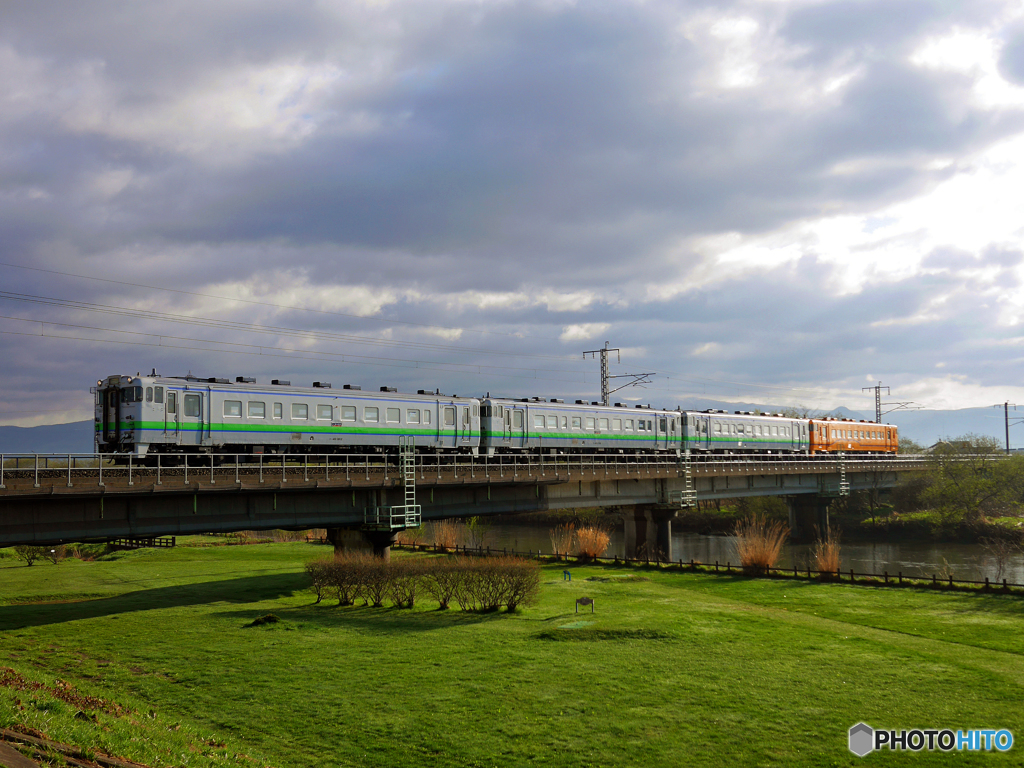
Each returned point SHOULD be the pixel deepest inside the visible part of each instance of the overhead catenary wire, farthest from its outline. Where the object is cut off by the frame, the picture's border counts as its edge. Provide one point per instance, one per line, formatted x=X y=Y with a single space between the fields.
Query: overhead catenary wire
x=270 y=304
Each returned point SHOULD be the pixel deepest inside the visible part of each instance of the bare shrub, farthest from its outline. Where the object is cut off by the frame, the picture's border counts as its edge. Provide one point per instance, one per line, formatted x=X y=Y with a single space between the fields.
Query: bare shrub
x=467 y=592
x=563 y=538
x=378 y=577
x=1000 y=550
x=522 y=582
x=441 y=580
x=348 y=574
x=443 y=534
x=826 y=552
x=475 y=531
x=28 y=554
x=591 y=542
x=759 y=542
x=319 y=572
x=407 y=577
x=55 y=554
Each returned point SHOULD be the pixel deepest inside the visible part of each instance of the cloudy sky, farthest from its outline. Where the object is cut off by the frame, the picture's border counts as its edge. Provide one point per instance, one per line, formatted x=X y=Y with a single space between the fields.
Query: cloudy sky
x=766 y=201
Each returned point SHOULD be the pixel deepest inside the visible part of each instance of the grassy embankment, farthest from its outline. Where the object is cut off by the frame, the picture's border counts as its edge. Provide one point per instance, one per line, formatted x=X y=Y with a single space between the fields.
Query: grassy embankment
x=675 y=670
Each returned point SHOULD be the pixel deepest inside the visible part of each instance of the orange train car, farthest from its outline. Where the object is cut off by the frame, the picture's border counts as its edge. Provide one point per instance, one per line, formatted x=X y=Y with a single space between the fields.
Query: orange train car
x=849 y=436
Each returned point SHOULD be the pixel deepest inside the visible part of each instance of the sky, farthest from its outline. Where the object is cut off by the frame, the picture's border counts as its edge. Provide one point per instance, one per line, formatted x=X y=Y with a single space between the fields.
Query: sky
x=764 y=201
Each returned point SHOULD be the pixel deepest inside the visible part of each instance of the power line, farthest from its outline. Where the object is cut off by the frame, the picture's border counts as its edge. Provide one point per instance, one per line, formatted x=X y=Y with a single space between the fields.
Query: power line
x=272 y=304
x=234 y=325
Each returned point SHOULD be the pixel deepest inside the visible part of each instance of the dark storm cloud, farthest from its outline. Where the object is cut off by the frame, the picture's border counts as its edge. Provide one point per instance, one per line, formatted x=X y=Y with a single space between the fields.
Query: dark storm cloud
x=511 y=148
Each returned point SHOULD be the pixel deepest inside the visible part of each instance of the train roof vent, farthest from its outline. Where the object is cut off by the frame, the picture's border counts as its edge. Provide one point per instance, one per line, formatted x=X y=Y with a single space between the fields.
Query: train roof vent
x=594 y=402
x=352 y=386
x=423 y=392
x=556 y=400
x=638 y=406
x=581 y=402
x=621 y=405
x=281 y=382
x=322 y=384
x=213 y=380
x=389 y=389
x=245 y=380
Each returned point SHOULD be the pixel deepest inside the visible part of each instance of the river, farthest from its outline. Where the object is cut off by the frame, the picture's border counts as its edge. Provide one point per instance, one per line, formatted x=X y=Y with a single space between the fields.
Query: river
x=963 y=561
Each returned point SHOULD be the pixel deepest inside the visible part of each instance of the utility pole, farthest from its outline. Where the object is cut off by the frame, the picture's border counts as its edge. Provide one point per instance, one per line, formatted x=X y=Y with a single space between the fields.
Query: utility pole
x=1006 y=419
x=878 y=399
x=606 y=377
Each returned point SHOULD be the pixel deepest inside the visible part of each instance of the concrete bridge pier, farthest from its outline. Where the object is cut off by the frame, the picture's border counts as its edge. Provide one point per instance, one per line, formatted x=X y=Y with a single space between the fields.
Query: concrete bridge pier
x=807 y=512
x=357 y=540
x=647 y=532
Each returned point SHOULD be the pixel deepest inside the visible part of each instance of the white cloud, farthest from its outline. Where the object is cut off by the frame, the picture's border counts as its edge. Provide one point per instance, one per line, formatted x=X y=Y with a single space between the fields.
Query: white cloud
x=583 y=331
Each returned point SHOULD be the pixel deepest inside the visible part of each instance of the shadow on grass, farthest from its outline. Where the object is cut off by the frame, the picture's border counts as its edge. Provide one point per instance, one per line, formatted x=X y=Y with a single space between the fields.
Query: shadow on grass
x=247 y=589
x=388 y=620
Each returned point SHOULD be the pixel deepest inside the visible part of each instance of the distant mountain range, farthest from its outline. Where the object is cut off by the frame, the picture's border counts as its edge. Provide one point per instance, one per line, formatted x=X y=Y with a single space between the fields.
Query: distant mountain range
x=925 y=427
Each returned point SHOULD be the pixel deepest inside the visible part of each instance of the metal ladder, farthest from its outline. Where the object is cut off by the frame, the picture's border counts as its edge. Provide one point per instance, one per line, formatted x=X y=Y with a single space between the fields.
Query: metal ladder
x=406 y=515
x=844 y=483
x=688 y=496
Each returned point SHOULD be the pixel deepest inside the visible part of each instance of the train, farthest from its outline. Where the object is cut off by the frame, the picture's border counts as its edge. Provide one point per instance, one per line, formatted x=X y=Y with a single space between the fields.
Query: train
x=143 y=416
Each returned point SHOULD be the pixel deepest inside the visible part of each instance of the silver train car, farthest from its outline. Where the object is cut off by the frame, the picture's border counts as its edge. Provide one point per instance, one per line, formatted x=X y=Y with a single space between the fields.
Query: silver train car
x=536 y=425
x=744 y=432
x=143 y=415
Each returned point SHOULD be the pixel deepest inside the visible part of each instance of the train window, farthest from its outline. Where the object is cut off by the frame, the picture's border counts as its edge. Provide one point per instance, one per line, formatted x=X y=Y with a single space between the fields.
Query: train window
x=664 y=425
x=233 y=408
x=591 y=422
x=348 y=413
x=158 y=394
x=371 y=414
x=485 y=411
x=257 y=410
x=617 y=425
x=412 y=416
x=465 y=416
x=393 y=415
x=192 y=406
x=641 y=426
x=577 y=422
x=300 y=411
x=718 y=428
x=538 y=422
x=565 y=422
x=172 y=402
x=278 y=410
x=426 y=417
x=603 y=424
x=149 y=394
x=449 y=417
x=650 y=425
x=476 y=410
x=552 y=422
x=629 y=425
x=326 y=412
x=517 y=419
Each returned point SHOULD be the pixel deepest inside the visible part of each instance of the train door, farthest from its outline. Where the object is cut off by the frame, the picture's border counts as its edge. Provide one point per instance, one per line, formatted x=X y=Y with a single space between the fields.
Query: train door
x=449 y=426
x=111 y=415
x=466 y=429
x=661 y=432
x=517 y=427
x=192 y=422
x=172 y=413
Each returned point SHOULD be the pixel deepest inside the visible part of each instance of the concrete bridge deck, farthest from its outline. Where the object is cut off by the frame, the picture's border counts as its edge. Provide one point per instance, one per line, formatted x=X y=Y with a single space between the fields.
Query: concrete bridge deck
x=52 y=499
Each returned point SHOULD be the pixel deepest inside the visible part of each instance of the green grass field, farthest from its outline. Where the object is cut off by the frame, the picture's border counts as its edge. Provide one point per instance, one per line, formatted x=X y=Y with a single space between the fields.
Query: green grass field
x=673 y=668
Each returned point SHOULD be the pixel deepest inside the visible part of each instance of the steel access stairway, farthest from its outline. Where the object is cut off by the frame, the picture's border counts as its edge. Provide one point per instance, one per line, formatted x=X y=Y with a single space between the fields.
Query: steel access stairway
x=407 y=515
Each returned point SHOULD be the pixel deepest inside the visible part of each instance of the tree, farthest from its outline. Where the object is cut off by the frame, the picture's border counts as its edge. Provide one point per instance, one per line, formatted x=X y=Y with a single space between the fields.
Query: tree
x=28 y=554
x=909 y=446
x=966 y=482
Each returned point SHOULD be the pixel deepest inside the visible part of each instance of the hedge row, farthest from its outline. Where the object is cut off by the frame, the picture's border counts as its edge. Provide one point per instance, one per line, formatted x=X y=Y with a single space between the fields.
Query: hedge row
x=475 y=584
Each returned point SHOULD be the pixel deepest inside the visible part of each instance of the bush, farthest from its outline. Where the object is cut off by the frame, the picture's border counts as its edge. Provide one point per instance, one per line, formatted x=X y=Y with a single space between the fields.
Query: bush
x=591 y=542
x=826 y=552
x=563 y=538
x=476 y=584
x=28 y=554
x=443 y=534
x=759 y=542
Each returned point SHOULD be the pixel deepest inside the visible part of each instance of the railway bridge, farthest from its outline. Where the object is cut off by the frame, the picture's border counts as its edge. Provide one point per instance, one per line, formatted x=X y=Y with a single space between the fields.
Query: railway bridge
x=363 y=500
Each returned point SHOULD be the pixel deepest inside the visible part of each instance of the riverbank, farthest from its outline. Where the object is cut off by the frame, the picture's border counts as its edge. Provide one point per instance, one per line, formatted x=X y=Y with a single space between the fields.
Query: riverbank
x=671 y=667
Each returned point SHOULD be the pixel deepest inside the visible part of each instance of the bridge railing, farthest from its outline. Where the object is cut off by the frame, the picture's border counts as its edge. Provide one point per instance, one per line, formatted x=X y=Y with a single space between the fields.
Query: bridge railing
x=26 y=471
